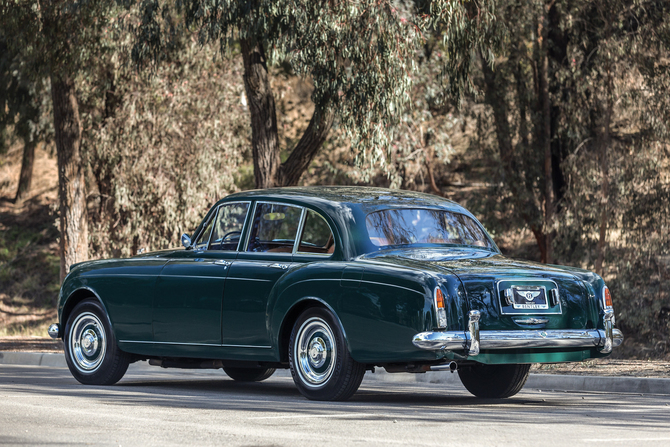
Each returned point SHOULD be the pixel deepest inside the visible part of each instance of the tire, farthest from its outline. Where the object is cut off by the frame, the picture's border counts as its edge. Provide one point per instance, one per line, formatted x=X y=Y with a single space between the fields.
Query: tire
x=249 y=374
x=494 y=381
x=321 y=366
x=91 y=351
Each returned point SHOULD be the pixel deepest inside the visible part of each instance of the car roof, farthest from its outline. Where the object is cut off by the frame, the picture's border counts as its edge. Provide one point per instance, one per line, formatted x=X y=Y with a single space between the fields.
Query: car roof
x=367 y=199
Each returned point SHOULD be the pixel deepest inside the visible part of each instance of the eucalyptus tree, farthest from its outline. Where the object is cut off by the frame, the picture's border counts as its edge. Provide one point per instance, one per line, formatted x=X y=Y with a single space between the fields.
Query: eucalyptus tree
x=359 y=55
x=57 y=37
x=23 y=109
x=558 y=95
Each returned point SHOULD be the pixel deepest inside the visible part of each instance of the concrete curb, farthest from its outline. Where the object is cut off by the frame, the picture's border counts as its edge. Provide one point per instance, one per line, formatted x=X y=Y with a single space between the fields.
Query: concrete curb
x=558 y=382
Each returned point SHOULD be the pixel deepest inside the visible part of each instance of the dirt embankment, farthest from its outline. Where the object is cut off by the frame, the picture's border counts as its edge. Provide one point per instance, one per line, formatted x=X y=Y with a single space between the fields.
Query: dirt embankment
x=29 y=263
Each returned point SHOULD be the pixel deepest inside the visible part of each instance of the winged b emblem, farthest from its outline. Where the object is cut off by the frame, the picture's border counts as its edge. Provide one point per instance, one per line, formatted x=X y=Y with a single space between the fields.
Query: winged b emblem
x=530 y=296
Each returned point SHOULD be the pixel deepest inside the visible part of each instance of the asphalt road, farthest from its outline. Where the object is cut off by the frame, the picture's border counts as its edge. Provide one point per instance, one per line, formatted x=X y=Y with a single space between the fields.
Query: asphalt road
x=150 y=406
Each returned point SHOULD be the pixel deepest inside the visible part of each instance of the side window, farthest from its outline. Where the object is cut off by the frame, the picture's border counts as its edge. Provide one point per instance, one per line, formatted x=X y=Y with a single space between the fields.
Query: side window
x=316 y=235
x=274 y=228
x=228 y=227
x=203 y=240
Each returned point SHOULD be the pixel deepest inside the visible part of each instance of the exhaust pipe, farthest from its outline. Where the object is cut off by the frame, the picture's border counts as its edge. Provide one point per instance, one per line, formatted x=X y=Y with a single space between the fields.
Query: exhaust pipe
x=451 y=366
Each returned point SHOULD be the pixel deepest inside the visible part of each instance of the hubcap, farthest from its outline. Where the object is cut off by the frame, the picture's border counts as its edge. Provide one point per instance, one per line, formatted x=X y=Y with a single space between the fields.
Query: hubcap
x=316 y=352
x=87 y=342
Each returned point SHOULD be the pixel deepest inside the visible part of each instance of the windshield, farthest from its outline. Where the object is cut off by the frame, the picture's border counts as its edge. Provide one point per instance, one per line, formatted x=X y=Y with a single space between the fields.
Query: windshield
x=422 y=226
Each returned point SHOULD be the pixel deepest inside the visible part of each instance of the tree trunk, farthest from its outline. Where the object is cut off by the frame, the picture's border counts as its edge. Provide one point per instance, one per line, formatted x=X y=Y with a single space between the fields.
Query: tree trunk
x=261 y=102
x=523 y=200
x=268 y=169
x=71 y=184
x=26 y=176
x=308 y=146
x=603 y=157
x=545 y=138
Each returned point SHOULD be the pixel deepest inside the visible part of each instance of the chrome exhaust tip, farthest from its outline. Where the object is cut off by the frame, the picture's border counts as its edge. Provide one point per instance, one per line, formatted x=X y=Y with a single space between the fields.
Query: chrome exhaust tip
x=451 y=366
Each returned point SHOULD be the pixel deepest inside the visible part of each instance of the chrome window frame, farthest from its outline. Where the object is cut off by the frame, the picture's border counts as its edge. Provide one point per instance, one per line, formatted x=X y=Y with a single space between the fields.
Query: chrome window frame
x=302 y=253
x=251 y=227
x=216 y=215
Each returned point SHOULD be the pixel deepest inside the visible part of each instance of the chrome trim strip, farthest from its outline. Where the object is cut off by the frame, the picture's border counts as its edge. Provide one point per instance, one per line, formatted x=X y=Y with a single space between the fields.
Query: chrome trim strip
x=216 y=216
x=222 y=278
x=124 y=275
x=557 y=338
x=530 y=311
x=193 y=344
x=308 y=254
x=531 y=320
x=247 y=218
x=301 y=225
x=249 y=230
x=248 y=279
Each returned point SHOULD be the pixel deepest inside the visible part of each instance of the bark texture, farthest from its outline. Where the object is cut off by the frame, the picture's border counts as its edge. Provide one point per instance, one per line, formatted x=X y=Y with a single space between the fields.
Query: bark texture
x=307 y=148
x=261 y=103
x=26 y=176
x=71 y=184
x=603 y=156
x=545 y=137
x=524 y=201
x=268 y=169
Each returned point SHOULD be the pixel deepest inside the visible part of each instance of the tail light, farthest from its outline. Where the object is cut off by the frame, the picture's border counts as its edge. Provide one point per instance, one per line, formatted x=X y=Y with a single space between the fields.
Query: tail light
x=607 y=298
x=440 y=308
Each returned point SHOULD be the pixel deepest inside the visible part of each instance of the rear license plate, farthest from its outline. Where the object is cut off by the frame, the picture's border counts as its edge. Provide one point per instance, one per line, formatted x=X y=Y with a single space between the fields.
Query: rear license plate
x=529 y=297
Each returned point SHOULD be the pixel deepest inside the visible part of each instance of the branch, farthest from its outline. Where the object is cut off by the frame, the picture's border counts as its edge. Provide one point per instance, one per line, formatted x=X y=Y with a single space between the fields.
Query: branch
x=316 y=133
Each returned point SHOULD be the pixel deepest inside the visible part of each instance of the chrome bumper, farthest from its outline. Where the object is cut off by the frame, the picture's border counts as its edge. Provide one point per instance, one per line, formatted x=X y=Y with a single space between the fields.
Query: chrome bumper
x=473 y=339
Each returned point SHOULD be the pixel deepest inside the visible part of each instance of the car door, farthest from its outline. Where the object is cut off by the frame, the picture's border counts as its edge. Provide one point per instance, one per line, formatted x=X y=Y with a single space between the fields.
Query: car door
x=189 y=291
x=266 y=257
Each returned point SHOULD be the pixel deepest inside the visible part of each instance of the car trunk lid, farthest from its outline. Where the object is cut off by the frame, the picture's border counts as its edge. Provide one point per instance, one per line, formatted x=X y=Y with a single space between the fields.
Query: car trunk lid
x=509 y=294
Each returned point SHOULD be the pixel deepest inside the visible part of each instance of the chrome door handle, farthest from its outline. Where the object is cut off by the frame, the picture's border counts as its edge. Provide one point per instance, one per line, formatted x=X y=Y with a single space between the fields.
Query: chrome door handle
x=223 y=263
x=276 y=265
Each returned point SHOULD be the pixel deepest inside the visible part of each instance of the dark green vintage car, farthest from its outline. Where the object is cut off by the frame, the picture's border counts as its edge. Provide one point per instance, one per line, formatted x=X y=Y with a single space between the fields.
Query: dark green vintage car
x=331 y=282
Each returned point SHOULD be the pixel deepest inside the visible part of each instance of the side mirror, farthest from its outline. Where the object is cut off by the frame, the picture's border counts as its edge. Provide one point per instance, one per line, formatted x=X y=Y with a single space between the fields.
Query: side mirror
x=185 y=240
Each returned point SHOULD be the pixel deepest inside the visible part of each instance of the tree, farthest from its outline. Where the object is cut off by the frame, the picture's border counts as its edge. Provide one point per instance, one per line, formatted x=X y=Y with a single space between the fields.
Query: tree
x=56 y=37
x=158 y=149
x=21 y=106
x=360 y=57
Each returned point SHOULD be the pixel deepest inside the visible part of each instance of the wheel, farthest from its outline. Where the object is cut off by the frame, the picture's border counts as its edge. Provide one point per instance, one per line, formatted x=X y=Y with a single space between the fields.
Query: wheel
x=321 y=366
x=248 y=374
x=494 y=381
x=91 y=352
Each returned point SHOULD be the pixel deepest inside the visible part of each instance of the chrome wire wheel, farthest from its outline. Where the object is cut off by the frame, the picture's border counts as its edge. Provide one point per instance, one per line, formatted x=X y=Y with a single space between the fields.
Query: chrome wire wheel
x=316 y=350
x=88 y=342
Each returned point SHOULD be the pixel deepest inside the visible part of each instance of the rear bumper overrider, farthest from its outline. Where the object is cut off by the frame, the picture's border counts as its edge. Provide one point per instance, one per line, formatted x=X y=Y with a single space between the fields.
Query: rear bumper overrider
x=472 y=340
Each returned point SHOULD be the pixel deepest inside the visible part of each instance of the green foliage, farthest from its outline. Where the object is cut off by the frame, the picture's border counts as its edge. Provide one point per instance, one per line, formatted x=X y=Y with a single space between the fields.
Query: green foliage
x=58 y=36
x=162 y=149
x=24 y=100
x=609 y=78
x=360 y=56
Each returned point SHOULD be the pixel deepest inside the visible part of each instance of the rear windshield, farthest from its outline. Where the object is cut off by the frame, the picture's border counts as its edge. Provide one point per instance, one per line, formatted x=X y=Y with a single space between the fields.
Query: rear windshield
x=422 y=226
